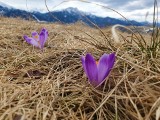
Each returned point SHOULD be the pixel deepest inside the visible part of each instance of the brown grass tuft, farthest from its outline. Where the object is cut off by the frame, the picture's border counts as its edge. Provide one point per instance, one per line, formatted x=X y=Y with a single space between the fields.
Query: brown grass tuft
x=51 y=85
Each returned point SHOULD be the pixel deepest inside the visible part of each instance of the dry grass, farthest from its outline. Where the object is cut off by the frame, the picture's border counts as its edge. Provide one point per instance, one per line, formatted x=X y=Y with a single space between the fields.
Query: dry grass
x=51 y=85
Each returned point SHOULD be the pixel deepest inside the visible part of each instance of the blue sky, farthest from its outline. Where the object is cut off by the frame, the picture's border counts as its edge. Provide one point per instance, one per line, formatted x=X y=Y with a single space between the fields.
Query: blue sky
x=131 y=9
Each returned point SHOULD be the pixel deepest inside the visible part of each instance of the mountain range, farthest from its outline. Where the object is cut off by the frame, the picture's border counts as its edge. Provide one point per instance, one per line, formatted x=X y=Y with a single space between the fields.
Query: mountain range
x=68 y=15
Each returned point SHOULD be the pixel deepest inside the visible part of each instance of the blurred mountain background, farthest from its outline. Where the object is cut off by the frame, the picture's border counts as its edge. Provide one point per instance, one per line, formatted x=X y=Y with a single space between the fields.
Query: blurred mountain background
x=68 y=15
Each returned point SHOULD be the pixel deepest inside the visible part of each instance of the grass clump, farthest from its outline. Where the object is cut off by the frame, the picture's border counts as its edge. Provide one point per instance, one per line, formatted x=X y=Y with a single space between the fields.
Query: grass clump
x=52 y=84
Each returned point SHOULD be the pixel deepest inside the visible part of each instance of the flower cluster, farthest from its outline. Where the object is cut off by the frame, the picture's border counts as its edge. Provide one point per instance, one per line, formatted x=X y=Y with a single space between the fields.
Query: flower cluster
x=95 y=71
x=37 y=40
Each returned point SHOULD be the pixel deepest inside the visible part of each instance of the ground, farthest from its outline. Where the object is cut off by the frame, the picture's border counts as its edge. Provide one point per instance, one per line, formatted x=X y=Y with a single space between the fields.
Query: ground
x=51 y=84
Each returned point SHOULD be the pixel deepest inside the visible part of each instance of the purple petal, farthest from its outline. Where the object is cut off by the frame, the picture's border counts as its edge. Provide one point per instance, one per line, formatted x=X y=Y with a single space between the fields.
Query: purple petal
x=31 y=41
x=27 y=39
x=35 y=36
x=43 y=37
x=111 y=60
x=91 y=69
x=105 y=65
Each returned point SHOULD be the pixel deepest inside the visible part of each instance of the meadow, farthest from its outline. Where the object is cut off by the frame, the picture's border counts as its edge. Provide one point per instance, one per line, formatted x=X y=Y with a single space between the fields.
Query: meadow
x=51 y=84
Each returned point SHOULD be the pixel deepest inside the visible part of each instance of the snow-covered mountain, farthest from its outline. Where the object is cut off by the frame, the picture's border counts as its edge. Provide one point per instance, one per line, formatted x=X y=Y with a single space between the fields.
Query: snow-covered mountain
x=69 y=15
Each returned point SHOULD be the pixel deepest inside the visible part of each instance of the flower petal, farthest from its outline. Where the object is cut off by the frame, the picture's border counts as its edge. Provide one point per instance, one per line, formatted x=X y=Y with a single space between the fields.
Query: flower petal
x=35 y=36
x=31 y=41
x=91 y=69
x=43 y=37
x=27 y=39
x=105 y=65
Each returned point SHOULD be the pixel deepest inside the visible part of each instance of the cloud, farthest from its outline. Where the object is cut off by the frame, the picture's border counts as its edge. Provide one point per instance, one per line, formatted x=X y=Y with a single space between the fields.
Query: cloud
x=137 y=5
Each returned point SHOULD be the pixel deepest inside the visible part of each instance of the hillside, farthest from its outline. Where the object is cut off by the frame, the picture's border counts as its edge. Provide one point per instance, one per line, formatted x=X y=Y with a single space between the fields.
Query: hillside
x=67 y=16
x=51 y=84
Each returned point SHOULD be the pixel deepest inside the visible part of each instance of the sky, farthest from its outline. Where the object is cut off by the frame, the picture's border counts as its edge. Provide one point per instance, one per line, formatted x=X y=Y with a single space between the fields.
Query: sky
x=130 y=9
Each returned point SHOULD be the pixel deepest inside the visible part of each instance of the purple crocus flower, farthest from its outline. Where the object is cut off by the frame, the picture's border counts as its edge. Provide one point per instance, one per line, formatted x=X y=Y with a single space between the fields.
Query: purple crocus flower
x=37 y=40
x=97 y=71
